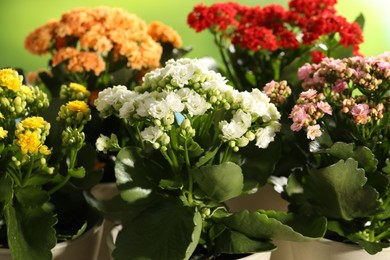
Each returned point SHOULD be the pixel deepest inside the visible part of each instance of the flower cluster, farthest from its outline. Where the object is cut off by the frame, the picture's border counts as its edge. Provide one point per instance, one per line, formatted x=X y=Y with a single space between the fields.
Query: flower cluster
x=260 y=44
x=89 y=44
x=193 y=142
x=355 y=88
x=189 y=89
x=31 y=169
x=344 y=174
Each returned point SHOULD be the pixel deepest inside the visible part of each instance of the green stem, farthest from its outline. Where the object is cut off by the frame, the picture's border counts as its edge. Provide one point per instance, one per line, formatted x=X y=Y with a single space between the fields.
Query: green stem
x=190 y=180
x=225 y=61
x=226 y=154
x=382 y=235
x=15 y=177
x=73 y=156
x=28 y=174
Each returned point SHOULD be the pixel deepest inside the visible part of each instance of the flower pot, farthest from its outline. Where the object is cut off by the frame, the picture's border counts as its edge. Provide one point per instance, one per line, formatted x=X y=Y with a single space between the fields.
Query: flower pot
x=110 y=239
x=83 y=248
x=105 y=191
x=325 y=249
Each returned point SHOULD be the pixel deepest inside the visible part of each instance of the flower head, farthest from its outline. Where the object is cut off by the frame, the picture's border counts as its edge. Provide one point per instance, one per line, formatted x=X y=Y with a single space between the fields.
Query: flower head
x=10 y=79
x=28 y=142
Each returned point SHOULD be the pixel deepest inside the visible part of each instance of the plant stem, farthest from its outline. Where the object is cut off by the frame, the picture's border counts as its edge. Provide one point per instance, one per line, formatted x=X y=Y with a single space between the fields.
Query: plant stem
x=190 y=180
x=224 y=59
x=28 y=174
x=73 y=156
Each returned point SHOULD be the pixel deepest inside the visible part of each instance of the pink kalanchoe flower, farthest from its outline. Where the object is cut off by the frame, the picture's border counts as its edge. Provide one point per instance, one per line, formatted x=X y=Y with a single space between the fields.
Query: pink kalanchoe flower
x=313 y=131
x=304 y=71
x=325 y=107
x=299 y=117
x=360 y=113
x=309 y=94
x=340 y=86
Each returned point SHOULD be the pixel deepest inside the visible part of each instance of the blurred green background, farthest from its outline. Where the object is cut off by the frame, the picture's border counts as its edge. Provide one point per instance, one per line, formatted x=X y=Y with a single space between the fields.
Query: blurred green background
x=18 y=18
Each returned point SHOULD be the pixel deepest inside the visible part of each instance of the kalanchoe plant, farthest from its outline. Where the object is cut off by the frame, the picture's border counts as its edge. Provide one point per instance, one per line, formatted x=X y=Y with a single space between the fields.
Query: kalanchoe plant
x=345 y=176
x=194 y=142
x=32 y=173
x=100 y=47
x=259 y=44
x=263 y=47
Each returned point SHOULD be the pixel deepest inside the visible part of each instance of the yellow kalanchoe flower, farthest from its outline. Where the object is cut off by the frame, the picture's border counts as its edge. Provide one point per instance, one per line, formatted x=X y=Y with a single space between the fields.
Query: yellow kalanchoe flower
x=44 y=150
x=78 y=88
x=78 y=106
x=3 y=133
x=29 y=142
x=10 y=79
x=34 y=122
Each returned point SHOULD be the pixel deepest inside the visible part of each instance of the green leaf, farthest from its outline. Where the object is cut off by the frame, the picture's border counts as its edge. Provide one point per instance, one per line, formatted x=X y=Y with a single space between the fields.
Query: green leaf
x=5 y=189
x=363 y=155
x=194 y=149
x=30 y=231
x=259 y=164
x=233 y=242
x=386 y=169
x=207 y=157
x=219 y=182
x=276 y=225
x=87 y=159
x=115 y=209
x=132 y=172
x=31 y=196
x=339 y=191
x=167 y=230
x=360 y=20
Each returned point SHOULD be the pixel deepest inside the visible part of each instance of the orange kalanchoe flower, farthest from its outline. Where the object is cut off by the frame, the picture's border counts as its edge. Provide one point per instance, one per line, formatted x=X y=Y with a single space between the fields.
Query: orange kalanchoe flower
x=104 y=35
x=163 y=33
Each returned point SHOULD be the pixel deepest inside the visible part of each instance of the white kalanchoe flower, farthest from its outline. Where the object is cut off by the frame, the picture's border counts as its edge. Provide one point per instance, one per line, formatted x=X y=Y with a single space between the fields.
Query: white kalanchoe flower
x=266 y=135
x=151 y=134
x=242 y=118
x=105 y=143
x=174 y=102
x=231 y=131
x=196 y=105
x=159 y=109
x=112 y=99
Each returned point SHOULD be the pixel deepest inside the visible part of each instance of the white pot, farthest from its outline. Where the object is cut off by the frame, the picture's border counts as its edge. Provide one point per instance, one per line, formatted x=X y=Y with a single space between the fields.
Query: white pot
x=325 y=249
x=114 y=232
x=105 y=191
x=83 y=248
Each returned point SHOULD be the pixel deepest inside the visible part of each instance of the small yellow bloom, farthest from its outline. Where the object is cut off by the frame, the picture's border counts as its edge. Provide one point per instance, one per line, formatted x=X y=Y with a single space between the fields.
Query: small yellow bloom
x=44 y=150
x=34 y=122
x=78 y=106
x=29 y=142
x=10 y=79
x=78 y=88
x=26 y=90
x=3 y=133
x=1 y=116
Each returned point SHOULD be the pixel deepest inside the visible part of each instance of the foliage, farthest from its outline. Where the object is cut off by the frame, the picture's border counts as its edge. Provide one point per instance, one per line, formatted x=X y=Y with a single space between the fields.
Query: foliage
x=193 y=143
x=344 y=175
x=34 y=174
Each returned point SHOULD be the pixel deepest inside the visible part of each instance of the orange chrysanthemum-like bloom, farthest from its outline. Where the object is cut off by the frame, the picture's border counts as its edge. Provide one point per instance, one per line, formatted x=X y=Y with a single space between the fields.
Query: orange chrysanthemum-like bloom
x=101 y=33
x=164 y=33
